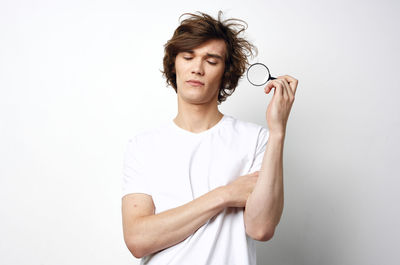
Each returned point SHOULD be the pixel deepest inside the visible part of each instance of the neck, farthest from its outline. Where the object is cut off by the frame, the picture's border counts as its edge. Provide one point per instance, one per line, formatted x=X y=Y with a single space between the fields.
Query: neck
x=197 y=118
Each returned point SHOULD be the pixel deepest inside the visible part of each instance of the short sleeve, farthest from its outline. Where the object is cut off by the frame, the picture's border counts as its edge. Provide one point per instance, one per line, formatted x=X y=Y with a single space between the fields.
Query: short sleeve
x=262 y=140
x=134 y=178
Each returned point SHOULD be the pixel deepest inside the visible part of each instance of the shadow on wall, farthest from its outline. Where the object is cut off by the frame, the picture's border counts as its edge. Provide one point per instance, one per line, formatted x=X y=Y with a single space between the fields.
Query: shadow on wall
x=321 y=221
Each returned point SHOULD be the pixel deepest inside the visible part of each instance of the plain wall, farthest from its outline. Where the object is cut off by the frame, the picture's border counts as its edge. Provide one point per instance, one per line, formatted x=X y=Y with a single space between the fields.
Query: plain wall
x=79 y=78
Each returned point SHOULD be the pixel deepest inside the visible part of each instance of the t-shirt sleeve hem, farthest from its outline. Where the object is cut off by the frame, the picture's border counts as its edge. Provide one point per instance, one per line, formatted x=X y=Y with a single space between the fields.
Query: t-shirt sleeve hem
x=124 y=193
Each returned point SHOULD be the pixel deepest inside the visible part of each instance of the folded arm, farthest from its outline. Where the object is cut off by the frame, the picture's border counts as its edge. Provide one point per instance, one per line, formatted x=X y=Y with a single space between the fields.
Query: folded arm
x=146 y=232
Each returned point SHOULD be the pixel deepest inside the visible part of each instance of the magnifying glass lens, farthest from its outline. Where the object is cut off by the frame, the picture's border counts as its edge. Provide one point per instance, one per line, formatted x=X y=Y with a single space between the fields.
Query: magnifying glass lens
x=258 y=74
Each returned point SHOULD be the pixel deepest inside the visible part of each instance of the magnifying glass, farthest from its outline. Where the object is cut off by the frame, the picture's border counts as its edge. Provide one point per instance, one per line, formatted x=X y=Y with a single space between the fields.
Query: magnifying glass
x=258 y=74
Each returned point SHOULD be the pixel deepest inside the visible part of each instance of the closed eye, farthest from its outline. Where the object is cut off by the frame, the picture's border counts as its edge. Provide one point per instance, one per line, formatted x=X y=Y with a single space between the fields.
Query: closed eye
x=189 y=57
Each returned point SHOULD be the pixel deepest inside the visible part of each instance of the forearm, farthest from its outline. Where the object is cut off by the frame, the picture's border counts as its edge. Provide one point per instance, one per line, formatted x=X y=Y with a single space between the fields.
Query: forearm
x=265 y=204
x=156 y=232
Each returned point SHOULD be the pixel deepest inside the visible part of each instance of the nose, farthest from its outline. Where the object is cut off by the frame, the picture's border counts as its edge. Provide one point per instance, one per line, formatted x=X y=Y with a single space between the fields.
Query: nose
x=197 y=67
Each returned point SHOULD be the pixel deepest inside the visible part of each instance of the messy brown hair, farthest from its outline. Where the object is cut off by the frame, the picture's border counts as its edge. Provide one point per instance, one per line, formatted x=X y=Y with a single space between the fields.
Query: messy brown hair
x=199 y=28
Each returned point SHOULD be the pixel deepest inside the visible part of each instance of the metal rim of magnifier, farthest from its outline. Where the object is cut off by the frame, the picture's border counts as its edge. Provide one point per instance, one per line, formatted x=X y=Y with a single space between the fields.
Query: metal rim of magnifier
x=269 y=74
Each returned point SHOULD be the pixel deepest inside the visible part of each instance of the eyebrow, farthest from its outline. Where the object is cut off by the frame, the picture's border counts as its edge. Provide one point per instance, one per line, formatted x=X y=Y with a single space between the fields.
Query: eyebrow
x=213 y=55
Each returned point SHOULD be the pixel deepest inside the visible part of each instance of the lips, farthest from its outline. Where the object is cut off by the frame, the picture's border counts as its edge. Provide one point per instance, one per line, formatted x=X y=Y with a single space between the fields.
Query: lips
x=195 y=83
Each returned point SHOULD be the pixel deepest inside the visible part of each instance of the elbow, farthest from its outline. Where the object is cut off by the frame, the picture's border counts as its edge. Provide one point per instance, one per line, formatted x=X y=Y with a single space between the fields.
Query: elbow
x=266 y=236
x=135 y=247
x=261 y=234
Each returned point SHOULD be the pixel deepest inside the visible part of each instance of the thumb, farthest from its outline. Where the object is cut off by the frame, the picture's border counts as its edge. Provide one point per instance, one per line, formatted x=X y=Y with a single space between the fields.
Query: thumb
x=268 y=87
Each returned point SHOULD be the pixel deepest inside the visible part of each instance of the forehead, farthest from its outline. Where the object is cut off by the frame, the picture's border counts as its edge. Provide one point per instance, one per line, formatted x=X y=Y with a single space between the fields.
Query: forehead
x=211 y=46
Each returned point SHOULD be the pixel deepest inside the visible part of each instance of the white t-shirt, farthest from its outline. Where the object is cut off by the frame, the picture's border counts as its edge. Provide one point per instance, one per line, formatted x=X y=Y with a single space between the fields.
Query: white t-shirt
x=175 y=166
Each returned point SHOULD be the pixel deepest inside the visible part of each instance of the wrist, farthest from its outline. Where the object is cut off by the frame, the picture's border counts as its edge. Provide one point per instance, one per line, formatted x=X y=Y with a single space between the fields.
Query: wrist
x=277 y=135
x=223 y=194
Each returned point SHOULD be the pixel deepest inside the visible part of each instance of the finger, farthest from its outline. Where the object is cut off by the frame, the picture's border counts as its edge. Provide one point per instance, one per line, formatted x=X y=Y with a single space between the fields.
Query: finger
x=285 y=88
x=277 y=84
x=288 y=93
x=268 y=87
x=293 y=82
x=280 y=87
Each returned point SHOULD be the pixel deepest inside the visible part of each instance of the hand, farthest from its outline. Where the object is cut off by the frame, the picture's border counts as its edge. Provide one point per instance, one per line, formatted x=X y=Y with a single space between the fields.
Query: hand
x=240 y=189
x=278 y=109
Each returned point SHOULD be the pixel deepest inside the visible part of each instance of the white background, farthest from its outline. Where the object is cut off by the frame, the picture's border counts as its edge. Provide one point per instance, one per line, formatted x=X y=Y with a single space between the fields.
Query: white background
x=79 y=78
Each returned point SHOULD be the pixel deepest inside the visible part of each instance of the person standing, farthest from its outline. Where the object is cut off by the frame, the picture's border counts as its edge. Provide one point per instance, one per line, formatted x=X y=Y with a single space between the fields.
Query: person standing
x=201 y=188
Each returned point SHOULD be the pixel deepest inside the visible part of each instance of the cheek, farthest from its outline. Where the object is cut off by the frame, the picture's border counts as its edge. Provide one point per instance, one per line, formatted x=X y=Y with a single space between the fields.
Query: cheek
x=181 y=67
x=178 y=71
x=218 y=75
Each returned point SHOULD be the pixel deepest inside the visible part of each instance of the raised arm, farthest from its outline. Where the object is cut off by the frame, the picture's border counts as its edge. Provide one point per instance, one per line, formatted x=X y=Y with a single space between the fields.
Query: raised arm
x=265 y=205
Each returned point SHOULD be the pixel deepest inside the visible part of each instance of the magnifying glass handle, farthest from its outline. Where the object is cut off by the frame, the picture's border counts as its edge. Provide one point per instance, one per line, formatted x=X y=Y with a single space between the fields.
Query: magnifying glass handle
x=272 y=78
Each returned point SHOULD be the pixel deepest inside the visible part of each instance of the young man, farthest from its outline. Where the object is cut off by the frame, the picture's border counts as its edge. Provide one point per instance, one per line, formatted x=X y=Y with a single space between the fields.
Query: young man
x=202 y=187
